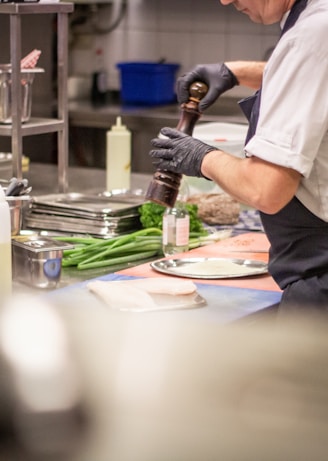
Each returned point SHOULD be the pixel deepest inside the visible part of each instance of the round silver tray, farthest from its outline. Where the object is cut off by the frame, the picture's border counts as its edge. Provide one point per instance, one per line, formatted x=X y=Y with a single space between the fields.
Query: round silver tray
x=187 y=267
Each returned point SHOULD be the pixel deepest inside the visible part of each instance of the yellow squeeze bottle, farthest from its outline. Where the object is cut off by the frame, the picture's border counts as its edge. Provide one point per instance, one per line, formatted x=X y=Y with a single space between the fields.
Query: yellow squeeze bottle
x=118 y=157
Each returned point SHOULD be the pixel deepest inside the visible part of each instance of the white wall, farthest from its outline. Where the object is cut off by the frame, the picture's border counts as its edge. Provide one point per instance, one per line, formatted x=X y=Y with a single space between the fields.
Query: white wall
x=183 y=31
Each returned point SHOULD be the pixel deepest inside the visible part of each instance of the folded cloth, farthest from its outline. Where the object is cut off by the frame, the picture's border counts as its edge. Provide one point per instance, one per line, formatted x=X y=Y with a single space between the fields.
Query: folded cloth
x=249 y=220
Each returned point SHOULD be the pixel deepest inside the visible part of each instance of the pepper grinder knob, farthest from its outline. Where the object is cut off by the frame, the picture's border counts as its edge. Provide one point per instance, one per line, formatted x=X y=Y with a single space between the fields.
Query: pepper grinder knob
x=197 y=91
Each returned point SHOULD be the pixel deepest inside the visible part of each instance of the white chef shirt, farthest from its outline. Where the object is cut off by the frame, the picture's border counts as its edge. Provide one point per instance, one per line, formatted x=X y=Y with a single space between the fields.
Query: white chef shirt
x=292 y=130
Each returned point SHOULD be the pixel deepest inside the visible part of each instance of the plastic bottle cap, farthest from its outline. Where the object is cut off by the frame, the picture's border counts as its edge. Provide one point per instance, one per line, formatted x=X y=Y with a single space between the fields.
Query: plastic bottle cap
x=118 y=126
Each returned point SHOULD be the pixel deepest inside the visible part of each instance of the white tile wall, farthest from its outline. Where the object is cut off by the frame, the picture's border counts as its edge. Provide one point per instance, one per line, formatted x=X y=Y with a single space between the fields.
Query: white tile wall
x=183 y=31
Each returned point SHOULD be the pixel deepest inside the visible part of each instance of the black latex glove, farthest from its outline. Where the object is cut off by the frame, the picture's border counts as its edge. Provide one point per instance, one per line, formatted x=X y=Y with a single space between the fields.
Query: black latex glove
x=179 y=152
x=217 y=77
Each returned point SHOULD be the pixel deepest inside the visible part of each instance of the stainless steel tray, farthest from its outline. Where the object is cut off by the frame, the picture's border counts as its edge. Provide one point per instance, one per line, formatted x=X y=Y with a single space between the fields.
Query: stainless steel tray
x=129 y=195
x=103 y=215
x=93 y=227
x=116 y=203
x=61 y=215
x=210 y=268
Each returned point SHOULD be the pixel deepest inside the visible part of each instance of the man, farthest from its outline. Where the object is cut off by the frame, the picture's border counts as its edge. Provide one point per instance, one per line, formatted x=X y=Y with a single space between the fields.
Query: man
x=285 y=170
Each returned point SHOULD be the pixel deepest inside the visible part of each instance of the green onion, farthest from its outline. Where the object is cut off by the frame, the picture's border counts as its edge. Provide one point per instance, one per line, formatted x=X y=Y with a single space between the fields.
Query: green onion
x=121 y=250
x=119 y=260
x=118 y=250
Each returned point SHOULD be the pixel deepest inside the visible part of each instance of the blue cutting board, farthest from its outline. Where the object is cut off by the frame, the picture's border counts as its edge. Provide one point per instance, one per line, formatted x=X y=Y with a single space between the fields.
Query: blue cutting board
x=223 y=304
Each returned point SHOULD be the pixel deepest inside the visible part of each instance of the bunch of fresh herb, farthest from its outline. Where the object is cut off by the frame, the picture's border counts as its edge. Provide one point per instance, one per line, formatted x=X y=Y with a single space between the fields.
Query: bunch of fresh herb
x=151 y=215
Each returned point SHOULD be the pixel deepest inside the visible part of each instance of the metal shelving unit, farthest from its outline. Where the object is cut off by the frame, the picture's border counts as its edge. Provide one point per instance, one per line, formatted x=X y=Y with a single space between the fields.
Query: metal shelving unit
x=17 y=130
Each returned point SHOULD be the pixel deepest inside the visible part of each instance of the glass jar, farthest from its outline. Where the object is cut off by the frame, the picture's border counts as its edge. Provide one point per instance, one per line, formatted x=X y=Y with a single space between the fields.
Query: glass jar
x=176 y=225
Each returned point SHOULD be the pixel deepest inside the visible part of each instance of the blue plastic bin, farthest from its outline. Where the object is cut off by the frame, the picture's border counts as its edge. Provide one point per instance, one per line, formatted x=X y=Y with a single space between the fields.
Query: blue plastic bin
x=147 y=83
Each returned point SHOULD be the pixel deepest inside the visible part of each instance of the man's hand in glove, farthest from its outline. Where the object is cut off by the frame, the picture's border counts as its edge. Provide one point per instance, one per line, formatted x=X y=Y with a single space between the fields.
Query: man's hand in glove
x=217 y=77
x=179 y=152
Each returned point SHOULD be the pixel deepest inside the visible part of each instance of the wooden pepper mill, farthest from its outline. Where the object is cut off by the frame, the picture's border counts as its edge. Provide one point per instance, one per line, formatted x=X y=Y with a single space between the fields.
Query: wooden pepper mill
x=164 y=187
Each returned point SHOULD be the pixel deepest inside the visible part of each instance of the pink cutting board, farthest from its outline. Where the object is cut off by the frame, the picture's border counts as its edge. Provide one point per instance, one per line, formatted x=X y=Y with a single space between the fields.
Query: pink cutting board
x=252 y=245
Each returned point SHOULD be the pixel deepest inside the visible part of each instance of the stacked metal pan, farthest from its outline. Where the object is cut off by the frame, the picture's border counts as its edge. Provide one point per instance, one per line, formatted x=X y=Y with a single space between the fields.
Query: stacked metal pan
x=103 y=215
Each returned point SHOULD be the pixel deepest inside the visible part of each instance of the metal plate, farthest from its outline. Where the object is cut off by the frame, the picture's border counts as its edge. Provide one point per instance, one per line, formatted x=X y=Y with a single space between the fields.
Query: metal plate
x=210 y=268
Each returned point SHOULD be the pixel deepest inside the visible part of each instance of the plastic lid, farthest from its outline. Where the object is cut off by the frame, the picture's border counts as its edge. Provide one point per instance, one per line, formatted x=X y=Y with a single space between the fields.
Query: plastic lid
x=118 y=126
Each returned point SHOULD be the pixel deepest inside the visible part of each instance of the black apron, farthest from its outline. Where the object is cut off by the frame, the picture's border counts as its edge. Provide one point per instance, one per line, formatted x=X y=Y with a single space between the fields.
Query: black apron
x=298 y=259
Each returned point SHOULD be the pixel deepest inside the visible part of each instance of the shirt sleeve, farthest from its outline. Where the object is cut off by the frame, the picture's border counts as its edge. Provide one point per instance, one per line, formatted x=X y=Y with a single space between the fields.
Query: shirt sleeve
x=293 y=110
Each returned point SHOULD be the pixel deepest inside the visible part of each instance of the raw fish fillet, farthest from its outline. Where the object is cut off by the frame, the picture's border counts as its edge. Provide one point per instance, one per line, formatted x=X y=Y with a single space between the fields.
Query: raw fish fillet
x=143 y=294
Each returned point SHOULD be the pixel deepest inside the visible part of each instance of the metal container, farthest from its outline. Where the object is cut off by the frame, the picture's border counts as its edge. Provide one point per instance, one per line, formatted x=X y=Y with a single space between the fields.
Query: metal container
x=27 y=77
x=37 y=260
x=17 y=206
